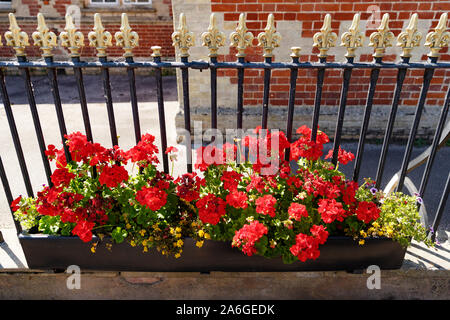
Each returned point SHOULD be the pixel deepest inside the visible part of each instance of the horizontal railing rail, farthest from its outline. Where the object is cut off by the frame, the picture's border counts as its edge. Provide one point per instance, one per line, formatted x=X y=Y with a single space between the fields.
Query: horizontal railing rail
x=241 y=39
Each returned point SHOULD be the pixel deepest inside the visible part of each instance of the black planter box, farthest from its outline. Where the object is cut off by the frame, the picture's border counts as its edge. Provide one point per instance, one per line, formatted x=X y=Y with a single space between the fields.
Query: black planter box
x=338 y=253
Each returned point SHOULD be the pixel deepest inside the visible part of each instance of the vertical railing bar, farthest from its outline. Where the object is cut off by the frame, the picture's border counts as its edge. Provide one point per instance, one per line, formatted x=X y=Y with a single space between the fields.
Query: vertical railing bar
x=365 y=124
x=317 y=99
x=265 y=110
x=109 y=103
x=134 y=102
x=82 y=95
x=213 y=76
x=240 y=94
x=187 y=113
x=388 y=133
x=291 y=105
x=15 y=136
x=35 y=116
x=341 y=111
x=52 y=76
x=440 y=210
x=162 y=117
x=435 y=144
x=8 y=194
x=428 y=75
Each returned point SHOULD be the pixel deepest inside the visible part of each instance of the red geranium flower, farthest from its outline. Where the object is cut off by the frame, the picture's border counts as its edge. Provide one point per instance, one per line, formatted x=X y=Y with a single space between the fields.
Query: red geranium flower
x=266 y=205
x=152 y=197
x=344 y=157
x=367 y=211
x=297 y=211
x=112 y=176
x=331 y=210
x=246 y=237
x=83 y=230
x=62 y=176
x=230 y=180
x=15 y=202
x=237 y=199
x=211 y=209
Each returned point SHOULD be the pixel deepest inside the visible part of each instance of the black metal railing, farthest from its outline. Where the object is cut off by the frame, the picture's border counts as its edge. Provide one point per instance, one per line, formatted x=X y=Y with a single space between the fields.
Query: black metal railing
x=181 y=41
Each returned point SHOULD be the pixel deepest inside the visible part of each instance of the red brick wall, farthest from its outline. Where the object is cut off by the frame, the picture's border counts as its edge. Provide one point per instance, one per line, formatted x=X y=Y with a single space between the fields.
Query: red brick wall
x=312 y=13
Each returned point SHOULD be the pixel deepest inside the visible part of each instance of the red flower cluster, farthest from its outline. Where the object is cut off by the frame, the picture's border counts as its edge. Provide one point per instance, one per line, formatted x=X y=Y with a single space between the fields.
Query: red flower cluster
x=84 y=230
x=307 y=247
x=331 y=210
x=112 y=176
x=230 y=180
x=246 y=237
x=344 y=157
x=209 y=155
x=266 y=205
x=211 y=209
x=367 y=211
x=188 y=186
x=305 y=147
x=297 y=211
x=151 y=197
x=237 y=199
x=145 y=152
x=61 y=177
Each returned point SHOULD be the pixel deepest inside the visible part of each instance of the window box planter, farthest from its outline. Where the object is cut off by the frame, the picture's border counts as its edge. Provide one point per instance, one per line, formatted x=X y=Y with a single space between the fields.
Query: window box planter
x=338 y=253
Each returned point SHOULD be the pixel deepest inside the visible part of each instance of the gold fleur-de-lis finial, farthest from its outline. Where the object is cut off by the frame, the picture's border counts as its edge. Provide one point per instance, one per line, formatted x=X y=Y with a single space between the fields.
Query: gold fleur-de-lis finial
x=15 y=37
x=325 y=39
x=126 y=38
x=213 y=38
x=43 y=37
x=182 y=38
x=438 y=38
x=99 y=38
x=382 y=38
x=71 y=38
x=409 y=38
x=352 y=39
x=241 y=38
x=269 y=39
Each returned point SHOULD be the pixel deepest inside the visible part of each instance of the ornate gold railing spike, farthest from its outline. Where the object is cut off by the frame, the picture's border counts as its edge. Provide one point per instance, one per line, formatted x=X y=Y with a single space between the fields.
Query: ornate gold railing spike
x=241 y=38
x=156 y=51
x=438 y=38
x=269 y=39
x=325 y=39
x=71 y=38
x=213 y=38
x=99 y=38
x=15 y=37
x=43 y=37
x=352 y=39
x=126 y=38
x=182 y=38
x=409 y=38
x=382 y=38
x=295 y=52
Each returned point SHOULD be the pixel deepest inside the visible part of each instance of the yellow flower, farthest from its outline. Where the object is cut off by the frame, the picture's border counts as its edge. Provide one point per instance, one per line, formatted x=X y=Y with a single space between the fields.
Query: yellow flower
x=132 y=243
x=199 y=244
x=180 y=243
x=178 y=235
x=207 y=236
x=363 y=233
x=172 y=231
x=178 y=229
x=201 y=233
x=145 y=249
x=142 y=232
x=93 y=249
x=376 y=224
x=177 y=255
x=128 y=226
x=193 y=224
x=361 y=242
x=380 y=233
x=150 y=239
x=144 y=243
